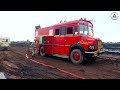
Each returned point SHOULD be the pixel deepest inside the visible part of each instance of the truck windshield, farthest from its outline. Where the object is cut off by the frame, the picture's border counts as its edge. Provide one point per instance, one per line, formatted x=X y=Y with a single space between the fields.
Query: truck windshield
x=86 y=30
x=5 y=40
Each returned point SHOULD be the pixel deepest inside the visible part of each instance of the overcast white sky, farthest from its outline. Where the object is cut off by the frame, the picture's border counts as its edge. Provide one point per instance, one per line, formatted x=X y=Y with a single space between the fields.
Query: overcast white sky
x=20 y=25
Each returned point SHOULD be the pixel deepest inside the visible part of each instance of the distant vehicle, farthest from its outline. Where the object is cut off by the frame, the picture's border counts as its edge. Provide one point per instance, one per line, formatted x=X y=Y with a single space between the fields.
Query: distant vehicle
x=73 y=39
x=4 y=43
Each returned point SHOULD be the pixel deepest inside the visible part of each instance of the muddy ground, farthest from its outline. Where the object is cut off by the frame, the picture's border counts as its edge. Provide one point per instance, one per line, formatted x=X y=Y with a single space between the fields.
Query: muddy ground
x=16 y=66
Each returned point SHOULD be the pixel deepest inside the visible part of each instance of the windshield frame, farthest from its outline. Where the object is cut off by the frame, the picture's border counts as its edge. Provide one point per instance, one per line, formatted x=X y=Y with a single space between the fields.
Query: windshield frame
x=90 y=29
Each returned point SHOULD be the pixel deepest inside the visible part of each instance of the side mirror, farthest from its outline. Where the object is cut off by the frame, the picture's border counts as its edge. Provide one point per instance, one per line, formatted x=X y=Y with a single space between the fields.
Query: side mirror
x=37 y=27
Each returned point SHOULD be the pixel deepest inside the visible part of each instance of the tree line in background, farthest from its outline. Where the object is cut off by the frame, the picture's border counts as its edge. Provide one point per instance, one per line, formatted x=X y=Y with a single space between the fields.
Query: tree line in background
x=19 y=43
x=111 y=42
x=111 y=45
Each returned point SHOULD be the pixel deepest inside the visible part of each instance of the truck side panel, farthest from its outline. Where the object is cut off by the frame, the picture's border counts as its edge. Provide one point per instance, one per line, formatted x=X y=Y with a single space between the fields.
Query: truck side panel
x=48 y=44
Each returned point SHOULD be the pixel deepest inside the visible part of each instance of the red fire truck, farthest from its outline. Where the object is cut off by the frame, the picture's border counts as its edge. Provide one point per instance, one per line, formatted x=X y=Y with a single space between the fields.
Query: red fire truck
x=71 y=39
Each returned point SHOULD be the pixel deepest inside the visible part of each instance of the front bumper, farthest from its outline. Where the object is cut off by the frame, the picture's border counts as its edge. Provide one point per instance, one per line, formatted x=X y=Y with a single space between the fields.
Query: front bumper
x=95 y=53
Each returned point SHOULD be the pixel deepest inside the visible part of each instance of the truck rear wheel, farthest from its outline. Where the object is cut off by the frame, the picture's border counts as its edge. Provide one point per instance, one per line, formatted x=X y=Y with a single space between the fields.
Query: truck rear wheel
x=76 y=56
x=42 y=51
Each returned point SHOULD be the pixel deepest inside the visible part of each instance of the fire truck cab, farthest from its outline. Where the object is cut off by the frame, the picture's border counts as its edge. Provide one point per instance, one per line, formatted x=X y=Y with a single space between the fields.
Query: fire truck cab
x=72 y=39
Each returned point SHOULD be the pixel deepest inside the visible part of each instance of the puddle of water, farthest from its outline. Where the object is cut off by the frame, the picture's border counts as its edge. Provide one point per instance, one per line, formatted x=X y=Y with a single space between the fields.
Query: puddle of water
x=2 y=76
x=111 y=50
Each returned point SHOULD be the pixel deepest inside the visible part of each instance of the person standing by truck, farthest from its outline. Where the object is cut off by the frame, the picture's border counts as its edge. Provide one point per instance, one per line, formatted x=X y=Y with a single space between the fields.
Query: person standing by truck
x=33 y=48
x=28 y=45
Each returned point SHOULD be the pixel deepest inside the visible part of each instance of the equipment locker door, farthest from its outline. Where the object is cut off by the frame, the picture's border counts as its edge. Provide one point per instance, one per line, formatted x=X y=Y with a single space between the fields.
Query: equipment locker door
x=48 y=44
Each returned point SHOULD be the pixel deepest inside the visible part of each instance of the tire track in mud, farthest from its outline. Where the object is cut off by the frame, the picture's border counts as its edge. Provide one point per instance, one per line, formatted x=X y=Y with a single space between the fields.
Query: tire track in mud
x=27 y=69
x=59 y=69
x=103 y=68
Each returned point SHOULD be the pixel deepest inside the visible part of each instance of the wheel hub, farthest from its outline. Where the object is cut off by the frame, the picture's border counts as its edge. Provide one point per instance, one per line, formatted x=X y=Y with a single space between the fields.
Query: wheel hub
x=76 y=56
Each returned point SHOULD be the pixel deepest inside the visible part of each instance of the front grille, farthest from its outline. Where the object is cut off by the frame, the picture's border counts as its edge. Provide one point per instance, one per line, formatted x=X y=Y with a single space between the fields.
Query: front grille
x=98 y=45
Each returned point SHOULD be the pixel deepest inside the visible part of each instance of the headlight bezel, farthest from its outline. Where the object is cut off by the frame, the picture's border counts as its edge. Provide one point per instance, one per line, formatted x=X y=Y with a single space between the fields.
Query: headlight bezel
x=91 y=47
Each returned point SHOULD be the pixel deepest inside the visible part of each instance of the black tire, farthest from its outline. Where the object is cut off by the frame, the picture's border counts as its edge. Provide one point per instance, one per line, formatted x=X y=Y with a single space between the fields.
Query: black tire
x=41 y=51
x=80 y=60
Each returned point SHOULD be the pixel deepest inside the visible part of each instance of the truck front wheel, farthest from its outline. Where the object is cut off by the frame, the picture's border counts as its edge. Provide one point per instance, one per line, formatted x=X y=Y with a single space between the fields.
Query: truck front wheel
x=76 y=56
x=42 y=51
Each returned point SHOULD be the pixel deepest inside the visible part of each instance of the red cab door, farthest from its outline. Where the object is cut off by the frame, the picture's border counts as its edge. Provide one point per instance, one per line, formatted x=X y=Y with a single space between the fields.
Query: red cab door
x=62 y=40
x=56 y=40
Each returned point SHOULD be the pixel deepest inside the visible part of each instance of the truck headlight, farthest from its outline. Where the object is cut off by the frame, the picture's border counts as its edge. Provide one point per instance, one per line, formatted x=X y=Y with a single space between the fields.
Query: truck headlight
x=91 y=47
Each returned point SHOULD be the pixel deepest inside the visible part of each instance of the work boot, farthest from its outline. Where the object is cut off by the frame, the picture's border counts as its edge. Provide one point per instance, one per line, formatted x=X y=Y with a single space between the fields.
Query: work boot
x=33 y=55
